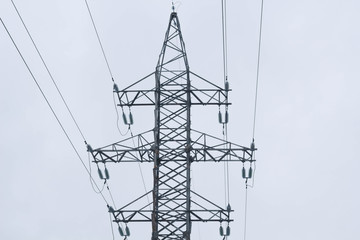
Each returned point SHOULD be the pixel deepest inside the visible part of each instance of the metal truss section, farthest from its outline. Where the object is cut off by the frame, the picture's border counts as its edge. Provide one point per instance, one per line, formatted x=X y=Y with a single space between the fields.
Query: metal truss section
x=123 y=152
x=203 y=211
x=207 y=94
x=203 y=148
x=172 y=146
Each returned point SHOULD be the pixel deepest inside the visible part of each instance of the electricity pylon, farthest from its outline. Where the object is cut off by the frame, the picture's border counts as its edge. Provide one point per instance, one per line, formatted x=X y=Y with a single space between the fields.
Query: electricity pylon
x=172 y=145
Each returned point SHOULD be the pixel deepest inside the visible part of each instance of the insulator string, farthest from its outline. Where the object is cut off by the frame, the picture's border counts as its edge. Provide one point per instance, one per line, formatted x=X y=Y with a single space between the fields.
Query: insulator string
x=118 y=119
x=91 y=178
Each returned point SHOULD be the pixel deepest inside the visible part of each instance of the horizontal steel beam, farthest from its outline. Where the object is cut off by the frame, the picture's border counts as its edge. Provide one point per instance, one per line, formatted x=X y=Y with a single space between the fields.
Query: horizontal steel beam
x=204 y=148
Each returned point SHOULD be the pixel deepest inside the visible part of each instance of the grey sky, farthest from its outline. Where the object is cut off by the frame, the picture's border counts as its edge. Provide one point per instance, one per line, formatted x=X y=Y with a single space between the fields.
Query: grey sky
x=307 y=128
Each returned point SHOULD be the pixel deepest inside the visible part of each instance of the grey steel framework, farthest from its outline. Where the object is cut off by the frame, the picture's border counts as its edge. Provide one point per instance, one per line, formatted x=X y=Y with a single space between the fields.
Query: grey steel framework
x=172 y=145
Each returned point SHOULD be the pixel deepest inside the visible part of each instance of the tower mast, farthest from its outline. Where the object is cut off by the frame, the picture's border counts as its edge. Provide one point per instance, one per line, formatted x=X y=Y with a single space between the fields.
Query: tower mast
x=172 y=145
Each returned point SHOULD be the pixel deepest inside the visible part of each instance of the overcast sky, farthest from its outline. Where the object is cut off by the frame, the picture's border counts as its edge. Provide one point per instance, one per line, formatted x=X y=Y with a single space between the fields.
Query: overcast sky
x=307 y=129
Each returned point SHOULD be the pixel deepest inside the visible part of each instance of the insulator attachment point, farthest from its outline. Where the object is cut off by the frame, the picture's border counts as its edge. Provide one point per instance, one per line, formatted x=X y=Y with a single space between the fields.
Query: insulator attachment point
x=252 y=146
x=115 y=88
x=89 y=148
x=228 y=208
x=111 y=209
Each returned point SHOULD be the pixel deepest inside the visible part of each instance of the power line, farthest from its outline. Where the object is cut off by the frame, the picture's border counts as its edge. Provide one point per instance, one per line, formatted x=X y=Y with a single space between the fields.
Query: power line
x=140 y=169
x=110 y=72
x=112 y=78
x=224 y=38
x=48 y=71
x=255 y=109
x=117 y=113
x=58 y=90
x=92 y=181
x=51 y=108
x=225 y=66
x=98 y=37
x=245 y=215
x=258 y=66
x=112 y=229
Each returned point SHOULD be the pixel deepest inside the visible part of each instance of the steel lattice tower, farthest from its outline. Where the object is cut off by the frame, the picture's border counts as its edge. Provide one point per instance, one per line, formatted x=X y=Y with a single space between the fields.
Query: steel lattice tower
x=172 y=145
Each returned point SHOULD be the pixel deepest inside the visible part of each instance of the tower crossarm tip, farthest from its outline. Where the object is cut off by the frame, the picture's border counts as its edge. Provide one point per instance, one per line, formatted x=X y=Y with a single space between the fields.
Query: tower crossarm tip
x=202 y=210
x=203 y=97
x=122 y=152
x=199 y=215
x=203 y=148
x=209 y=148
x=202 y=91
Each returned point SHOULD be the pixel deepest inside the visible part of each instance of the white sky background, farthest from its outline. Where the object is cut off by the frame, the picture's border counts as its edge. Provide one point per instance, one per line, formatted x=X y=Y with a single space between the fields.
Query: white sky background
x=307 y=127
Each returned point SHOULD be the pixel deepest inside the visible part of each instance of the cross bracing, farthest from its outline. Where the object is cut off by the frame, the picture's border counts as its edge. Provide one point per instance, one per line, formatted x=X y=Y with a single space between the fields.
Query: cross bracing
x=203 y=211
x=209 y=95
x=203 y=147
x=172 y=146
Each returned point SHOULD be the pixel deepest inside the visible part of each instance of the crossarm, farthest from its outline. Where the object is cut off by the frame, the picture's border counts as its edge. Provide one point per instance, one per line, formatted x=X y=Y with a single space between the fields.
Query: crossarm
x=204 y=215
x=146 y=97
x=203 y=148
x=206 y=94
x=209 y=148
x=123 y=152
x=203 y=210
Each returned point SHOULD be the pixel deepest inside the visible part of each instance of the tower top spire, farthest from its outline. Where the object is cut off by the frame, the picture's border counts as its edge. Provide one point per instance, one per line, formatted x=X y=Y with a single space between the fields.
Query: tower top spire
x=173 y=6
x=173 y=54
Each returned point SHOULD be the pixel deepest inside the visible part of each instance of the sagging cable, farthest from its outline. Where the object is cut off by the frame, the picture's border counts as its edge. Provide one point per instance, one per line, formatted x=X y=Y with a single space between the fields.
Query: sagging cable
x=52 y=110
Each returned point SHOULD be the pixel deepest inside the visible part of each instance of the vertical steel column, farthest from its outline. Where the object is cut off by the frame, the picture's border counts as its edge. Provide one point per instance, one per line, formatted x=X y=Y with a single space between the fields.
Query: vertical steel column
x=172 y=132
x=156 y=158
